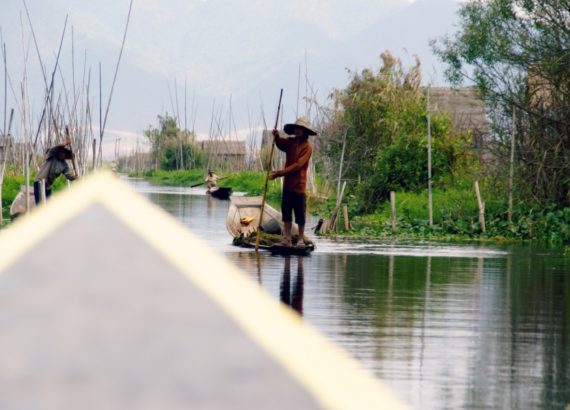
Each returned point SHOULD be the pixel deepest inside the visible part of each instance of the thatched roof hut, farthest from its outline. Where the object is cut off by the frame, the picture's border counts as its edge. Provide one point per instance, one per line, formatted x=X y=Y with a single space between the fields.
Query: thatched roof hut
x=222 y=153
x=228 y=148
x=466 y=108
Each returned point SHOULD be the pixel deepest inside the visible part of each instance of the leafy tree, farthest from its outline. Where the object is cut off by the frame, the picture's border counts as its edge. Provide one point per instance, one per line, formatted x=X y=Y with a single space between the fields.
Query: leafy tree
x=172 y=148
x=517 y=52
x=384 y=113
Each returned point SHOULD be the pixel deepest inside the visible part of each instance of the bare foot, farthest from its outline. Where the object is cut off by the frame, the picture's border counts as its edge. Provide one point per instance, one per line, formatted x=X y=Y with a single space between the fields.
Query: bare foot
x=300 y=244
x=285 y=242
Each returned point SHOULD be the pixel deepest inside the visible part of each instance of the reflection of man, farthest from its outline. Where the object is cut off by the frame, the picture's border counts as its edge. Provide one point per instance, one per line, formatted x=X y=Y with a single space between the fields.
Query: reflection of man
x=294 y=300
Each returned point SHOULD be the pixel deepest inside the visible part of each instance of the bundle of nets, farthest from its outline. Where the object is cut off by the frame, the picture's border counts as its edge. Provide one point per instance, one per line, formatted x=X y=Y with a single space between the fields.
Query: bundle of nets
x=266 y=239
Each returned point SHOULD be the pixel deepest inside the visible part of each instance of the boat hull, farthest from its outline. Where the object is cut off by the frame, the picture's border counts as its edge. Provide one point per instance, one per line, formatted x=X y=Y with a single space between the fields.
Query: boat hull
x=243 y=217
x=221 y=193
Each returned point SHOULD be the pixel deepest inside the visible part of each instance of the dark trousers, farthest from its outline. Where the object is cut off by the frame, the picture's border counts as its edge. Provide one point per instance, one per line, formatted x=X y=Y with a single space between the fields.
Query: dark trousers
x=294 y=201
x=37 y=195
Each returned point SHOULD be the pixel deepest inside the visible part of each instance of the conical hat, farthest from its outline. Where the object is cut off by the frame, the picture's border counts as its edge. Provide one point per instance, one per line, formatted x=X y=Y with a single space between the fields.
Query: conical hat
x=300 y=123
x=57 y=150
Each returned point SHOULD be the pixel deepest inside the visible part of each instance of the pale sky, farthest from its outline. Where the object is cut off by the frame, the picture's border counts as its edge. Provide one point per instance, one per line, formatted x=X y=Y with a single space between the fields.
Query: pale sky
x=245 y=50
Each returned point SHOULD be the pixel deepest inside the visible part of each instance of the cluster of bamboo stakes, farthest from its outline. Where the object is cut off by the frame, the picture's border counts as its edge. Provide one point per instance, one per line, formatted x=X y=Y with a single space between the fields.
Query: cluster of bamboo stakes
x=72 y=107
x=66 y=105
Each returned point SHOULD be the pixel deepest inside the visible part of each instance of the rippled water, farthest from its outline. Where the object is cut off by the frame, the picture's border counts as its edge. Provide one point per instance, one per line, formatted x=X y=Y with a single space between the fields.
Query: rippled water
x=445 y=326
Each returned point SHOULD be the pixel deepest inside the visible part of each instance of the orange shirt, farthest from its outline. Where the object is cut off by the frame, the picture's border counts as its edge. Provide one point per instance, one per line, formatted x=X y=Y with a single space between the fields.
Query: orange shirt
x=298 y=153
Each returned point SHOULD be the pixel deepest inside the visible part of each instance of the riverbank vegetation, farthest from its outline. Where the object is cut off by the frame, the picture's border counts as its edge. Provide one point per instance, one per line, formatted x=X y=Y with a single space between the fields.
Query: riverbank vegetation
x=249 y=182
x=502 y=175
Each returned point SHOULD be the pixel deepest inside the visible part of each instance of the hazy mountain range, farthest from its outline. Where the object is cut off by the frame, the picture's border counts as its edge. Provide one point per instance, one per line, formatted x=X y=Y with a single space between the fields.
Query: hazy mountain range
x=244 y=48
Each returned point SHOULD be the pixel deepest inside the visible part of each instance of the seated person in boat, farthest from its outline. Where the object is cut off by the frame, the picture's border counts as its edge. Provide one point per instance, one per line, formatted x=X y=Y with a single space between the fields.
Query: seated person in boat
x=55 y=165
x=212 y=181
x=298 y=152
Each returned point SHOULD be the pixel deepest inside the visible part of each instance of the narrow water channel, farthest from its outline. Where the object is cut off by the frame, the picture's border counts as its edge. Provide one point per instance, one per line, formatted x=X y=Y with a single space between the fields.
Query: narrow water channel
x=445 y=326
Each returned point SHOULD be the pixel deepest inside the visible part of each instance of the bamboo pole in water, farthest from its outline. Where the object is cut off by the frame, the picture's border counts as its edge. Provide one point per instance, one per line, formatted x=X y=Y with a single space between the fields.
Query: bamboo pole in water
x=393 y=210
x=3 y=158
x=4 y=140
x=334 y=216
x=430 y=196
x=481 y=206
x=511 y=169
x=341 y=164
x=258 y=236
x=100 y=117
x=5 y=88
x=114 y=81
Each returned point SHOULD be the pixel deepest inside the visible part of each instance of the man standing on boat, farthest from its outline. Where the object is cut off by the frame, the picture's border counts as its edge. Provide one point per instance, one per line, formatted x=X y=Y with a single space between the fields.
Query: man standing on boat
x=212 y=181
x=298 y=152
x=54 y=166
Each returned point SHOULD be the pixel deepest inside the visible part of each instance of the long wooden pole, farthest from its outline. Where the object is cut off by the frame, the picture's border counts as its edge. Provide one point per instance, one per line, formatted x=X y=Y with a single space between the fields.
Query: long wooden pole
x=49 y=89
x=430 y=194
x=5 y=87
x=393 y=210
x=3 y=158
x=340 y=167
x=511 y=170
x=102 y=131
x=267 y=175
x=73 y=160
x=481 y=206
x=4 y=140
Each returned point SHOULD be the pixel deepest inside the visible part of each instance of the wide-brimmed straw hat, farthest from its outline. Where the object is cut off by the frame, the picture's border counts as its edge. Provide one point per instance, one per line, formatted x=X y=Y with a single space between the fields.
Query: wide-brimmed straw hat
x=59 y=150
x=300 y=123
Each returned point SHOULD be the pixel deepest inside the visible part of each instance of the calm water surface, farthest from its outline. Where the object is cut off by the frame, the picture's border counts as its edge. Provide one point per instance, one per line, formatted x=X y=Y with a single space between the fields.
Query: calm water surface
x=444 y=326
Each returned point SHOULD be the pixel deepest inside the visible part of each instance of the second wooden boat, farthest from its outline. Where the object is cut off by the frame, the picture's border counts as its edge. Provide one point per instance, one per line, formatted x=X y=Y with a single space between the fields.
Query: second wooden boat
x=221 y=193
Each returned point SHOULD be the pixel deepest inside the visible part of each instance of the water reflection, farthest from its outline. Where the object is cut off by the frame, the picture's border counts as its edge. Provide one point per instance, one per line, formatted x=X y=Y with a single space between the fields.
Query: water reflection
x=445 y=326
x=292 y=297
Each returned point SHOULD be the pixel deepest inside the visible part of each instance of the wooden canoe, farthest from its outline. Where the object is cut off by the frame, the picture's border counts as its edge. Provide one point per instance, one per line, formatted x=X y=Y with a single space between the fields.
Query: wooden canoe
x=18 y=207
x=221 y=193
x=242 y=222
x=243 y=217
x=282 y=250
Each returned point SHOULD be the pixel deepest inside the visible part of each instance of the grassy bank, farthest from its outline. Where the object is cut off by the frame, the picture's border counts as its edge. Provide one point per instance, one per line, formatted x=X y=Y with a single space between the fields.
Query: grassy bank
x=250 y=182
x=455 y=217
x=455 y=212
x=10 y=189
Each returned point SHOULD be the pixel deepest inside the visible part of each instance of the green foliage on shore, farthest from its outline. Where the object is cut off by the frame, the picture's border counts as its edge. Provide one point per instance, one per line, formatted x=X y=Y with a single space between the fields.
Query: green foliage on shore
x=11 y=187
x=171 y=147
x=249 y=182
x=384 y=113
x=517 y=54
x=183 y=177
x=455 y=216
x=455 y=210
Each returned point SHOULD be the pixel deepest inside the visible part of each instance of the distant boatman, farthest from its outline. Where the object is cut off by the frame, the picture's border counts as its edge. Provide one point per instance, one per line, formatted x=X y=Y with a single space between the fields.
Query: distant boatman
x=298 y=152
x=212 y=181
x=54 y=166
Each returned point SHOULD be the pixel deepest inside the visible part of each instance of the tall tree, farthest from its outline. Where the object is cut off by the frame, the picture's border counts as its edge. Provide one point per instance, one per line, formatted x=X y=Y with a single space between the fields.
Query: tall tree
x=384 y=115
x=172 y=148
x=517 y=52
